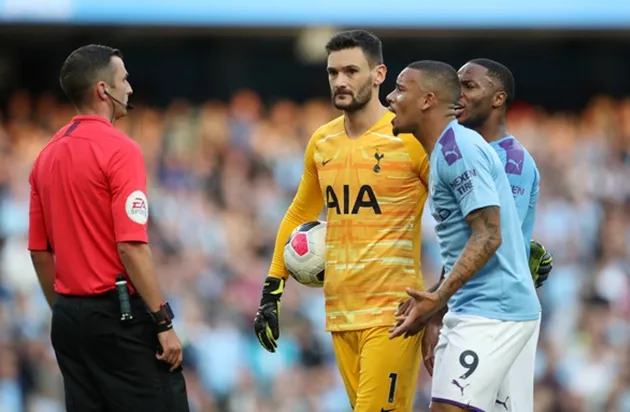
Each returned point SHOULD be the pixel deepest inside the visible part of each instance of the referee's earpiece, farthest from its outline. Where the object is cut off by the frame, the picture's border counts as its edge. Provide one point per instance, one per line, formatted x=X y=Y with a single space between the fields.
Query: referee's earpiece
x=127 y=106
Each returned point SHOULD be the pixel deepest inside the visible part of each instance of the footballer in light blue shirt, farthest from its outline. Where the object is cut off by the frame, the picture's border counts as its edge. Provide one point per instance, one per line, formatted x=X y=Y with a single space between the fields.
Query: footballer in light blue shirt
x=524 y=179
x=487 y=341
x=478 y=228
x=466 y=174
x=487 y=89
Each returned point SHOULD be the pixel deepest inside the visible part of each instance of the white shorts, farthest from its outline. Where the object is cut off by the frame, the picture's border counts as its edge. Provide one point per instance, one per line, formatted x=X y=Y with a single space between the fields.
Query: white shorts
x=473 y=357
x=516 y=393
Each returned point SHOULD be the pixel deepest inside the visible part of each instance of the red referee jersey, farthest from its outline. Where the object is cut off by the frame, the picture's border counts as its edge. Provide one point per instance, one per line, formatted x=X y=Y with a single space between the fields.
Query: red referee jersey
x=88 y=192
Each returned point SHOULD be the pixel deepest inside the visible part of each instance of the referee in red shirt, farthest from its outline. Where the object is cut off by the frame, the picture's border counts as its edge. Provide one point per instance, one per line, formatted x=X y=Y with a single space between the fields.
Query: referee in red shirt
x=88 y=224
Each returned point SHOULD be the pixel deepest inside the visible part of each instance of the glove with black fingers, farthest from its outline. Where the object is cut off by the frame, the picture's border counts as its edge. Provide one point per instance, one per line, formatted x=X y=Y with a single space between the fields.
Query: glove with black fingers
x=540 y=263
x=266 y=323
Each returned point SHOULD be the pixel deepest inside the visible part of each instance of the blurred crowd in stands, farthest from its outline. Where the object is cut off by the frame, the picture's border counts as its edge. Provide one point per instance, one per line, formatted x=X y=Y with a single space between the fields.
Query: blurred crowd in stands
x=221 y=176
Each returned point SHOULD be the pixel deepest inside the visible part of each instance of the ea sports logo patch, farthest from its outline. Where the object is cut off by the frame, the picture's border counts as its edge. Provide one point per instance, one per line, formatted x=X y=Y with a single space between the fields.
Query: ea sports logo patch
x=137 y=207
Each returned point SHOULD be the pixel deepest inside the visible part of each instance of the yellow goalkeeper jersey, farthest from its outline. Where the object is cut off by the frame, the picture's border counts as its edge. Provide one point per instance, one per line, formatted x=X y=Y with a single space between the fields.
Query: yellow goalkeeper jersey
x=374 y=188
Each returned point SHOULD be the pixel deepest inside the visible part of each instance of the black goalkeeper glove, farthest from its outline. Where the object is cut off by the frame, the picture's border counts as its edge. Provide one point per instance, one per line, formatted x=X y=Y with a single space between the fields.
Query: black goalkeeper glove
x=266 y=323
x=540 y=263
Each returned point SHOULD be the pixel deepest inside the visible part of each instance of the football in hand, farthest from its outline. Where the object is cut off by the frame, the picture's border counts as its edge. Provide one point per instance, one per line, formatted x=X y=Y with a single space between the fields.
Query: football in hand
x=305 y=253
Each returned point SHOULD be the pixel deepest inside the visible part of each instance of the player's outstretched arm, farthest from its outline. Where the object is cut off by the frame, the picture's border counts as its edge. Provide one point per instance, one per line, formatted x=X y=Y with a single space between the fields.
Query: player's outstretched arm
x=485 y=239
x=404 y=313
x=468 y=176
x=431 y=327
x=306 y=206
x=404 y=307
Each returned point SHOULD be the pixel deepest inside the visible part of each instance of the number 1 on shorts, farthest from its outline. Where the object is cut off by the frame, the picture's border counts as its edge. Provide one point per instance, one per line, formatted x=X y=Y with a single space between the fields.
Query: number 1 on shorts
x=393 y=378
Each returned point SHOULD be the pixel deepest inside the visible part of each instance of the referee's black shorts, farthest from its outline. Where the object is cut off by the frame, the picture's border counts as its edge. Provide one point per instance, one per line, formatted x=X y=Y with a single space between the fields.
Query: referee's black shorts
x=108 y=366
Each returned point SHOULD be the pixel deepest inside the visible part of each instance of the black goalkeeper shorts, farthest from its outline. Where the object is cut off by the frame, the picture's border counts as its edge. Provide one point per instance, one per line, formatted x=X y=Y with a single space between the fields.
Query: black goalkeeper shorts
x=108 y=366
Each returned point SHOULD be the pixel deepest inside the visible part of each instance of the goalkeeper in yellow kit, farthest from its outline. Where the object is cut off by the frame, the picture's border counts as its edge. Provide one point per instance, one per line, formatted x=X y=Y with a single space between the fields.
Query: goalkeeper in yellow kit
x=374 y=186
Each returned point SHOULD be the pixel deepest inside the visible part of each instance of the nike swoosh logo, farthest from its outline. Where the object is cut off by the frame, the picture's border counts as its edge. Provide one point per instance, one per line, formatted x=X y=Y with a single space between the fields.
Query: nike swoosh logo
x=324 y=163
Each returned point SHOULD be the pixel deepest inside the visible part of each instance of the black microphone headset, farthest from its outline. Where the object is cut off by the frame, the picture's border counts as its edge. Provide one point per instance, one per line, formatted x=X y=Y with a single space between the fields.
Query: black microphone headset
x=127 y=106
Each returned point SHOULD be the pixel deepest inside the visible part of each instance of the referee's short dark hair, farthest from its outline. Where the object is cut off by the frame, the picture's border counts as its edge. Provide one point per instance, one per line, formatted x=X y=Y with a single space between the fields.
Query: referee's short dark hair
x=501 y=73
x=84 y=67
x=370 y=44
x=442 y=77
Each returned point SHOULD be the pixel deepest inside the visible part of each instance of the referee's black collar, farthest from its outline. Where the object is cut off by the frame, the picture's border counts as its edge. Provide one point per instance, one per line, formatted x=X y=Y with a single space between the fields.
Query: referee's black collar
x=91 y=118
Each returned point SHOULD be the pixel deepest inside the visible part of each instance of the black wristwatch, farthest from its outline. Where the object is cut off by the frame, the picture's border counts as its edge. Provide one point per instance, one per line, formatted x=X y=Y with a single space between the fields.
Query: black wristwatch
x=164 y=315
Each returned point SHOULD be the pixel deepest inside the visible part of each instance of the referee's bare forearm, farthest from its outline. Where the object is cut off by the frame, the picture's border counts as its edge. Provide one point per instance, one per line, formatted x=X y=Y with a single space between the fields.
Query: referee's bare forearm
x=44 y=264
x=137 y=259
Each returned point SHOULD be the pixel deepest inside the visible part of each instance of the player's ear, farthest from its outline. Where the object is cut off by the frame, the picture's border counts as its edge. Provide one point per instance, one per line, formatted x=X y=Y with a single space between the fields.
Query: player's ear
x=428 y=100
x=380 y=72
x=499 y=99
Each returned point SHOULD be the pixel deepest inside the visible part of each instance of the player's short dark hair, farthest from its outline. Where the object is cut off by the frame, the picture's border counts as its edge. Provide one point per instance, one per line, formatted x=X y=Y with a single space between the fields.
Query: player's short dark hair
x=83 y=67
x=442 y=77
x=501 y=73
x=370 y=44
